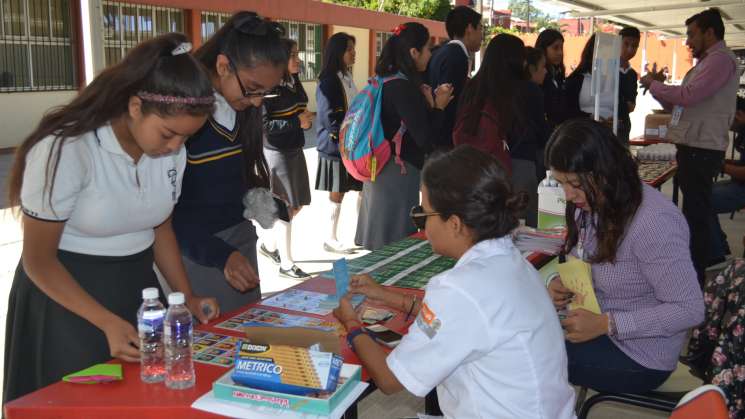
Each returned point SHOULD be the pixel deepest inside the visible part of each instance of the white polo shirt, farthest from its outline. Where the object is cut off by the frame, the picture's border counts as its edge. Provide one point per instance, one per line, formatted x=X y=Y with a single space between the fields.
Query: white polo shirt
x=109 y=204
x=489 y=339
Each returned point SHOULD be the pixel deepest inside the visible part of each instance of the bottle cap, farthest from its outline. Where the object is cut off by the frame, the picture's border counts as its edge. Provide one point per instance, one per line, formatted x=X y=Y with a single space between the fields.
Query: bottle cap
x=150 y=293
x=176 y=298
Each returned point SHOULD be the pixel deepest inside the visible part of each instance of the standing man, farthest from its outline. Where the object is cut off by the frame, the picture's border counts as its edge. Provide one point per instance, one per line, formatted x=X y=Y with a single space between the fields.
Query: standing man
x=703 y=108
x=450 y=63
x=627 y=83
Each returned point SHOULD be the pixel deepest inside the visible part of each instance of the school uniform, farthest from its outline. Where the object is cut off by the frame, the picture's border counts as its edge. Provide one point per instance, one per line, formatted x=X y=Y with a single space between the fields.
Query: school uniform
x=110 y=205
x=333 y=95
x=554 y=97
x=284 y=141
x=208 y=219
x=449 y=64
x=384 y=213
x=628 y=87
x=488 y=338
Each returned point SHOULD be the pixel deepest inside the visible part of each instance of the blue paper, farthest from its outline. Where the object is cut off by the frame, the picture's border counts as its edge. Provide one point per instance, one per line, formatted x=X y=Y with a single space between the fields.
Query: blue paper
x=341 y=276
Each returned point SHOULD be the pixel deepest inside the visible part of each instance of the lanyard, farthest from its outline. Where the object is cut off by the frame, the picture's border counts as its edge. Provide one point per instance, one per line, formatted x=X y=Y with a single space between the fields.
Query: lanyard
x=582 y=240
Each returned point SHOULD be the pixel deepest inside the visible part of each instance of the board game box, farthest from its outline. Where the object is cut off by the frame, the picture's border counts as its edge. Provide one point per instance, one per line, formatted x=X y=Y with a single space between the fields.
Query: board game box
x=319 y=404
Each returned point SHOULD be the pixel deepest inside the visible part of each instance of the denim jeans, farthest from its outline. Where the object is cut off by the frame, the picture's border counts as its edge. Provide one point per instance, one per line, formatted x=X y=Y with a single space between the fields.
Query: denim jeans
x=726 y=196
x=601 y=366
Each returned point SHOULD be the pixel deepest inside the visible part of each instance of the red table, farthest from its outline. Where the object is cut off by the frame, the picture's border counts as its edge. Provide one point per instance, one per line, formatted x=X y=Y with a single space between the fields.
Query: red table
x=131 y=398
x=642 y=141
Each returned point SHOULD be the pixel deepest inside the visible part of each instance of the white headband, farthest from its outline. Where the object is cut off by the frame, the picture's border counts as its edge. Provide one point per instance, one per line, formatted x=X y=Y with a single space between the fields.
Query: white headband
x=183 y=48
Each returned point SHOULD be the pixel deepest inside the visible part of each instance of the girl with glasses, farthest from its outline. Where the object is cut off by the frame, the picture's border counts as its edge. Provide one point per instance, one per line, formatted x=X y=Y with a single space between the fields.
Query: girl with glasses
x=485 y=335
x=245 y=61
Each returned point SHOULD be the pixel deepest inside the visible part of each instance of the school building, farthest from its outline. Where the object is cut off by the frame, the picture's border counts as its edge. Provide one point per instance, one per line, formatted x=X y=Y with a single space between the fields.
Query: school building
x=50 y=48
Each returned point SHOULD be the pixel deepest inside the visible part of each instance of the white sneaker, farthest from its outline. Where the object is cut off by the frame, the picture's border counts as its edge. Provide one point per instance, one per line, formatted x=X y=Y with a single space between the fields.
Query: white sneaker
x=335 y=246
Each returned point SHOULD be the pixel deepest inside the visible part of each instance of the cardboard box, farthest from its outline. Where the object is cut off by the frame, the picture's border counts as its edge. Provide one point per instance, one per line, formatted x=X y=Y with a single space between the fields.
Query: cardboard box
x=656 y=125
x=551 y=207
x=323 y=404
x=285 y=369
x=294 y=336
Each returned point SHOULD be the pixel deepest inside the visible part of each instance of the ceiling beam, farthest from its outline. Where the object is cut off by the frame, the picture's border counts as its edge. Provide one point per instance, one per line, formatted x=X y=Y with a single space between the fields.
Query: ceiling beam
x=682 y=25
x=647 y=9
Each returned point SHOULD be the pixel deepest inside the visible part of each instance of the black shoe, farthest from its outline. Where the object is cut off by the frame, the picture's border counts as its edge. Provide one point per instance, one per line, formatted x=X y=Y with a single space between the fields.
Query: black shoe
x=273 y=256
x=294 y=272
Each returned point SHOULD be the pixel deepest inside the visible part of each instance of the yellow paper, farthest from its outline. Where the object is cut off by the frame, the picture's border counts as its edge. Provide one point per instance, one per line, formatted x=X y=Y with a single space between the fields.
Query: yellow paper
x=576 y=275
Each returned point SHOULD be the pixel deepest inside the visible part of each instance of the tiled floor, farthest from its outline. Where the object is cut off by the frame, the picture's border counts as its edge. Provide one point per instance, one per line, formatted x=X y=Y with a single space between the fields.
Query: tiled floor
x=308 y=233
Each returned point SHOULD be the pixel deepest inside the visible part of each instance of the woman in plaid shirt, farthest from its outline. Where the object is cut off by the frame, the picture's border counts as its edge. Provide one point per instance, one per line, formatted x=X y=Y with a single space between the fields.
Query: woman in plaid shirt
x=636 y=242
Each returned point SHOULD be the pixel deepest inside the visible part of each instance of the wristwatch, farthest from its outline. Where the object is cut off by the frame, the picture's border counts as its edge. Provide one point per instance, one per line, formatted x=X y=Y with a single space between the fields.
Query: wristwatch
x=611 y=324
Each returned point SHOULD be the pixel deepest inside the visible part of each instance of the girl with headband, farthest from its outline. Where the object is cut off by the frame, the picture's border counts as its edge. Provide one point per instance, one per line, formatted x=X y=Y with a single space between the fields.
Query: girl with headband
x=245 y=61
x=96 y=182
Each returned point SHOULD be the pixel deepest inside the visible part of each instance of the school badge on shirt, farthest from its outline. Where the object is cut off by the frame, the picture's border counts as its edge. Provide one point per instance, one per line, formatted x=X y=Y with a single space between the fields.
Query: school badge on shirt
x=172 y=176
x=428 y=321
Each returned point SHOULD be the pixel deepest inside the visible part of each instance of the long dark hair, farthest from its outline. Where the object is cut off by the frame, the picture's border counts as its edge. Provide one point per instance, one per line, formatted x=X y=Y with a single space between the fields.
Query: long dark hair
x=472 y=185
x=545 y=39
x=248 y=41
x=395 y=56
x=585 y=61
x=150 y=67
x=533 y=56
x=497 y=83
x=608 y=176
x=333 y=54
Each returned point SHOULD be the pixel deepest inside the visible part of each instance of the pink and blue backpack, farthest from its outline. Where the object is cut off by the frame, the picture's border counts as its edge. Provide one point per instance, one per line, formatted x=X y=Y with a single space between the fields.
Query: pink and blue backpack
x=363 y=147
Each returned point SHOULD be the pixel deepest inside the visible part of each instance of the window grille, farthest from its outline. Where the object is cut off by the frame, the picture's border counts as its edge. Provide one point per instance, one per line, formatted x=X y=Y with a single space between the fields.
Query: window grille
x=36 y=46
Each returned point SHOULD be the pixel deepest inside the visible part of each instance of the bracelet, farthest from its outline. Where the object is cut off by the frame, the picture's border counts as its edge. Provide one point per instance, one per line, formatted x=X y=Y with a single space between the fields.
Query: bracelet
x=353 y=333
x=411 y=309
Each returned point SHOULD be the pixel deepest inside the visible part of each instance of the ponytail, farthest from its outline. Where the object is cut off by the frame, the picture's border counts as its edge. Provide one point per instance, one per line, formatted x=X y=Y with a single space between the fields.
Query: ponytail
x=396 y=57
x=158 y=67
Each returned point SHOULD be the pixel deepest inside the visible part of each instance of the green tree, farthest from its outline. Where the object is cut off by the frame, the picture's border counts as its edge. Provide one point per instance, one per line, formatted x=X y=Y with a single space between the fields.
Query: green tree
x=426 y=9
x=527 y=10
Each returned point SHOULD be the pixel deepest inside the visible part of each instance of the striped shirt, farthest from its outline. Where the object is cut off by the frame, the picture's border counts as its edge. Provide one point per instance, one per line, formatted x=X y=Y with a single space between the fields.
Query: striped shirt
x=651 y=290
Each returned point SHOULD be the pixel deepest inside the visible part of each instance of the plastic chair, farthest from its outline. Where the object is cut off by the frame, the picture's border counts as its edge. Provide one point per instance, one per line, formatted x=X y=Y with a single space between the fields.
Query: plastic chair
x=664 y=398
x=706 y=401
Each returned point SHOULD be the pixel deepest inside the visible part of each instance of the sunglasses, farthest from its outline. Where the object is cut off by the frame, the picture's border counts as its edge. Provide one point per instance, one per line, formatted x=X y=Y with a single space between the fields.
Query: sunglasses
x=269 y=94
x=419 y=217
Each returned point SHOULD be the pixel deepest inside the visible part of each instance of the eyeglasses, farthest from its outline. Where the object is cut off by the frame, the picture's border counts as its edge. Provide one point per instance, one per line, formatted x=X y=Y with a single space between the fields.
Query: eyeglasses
x=249 y=94
x=419 y=217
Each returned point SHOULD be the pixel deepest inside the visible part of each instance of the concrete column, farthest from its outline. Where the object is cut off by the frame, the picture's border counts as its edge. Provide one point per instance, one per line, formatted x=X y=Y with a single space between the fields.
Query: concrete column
x=91 y=17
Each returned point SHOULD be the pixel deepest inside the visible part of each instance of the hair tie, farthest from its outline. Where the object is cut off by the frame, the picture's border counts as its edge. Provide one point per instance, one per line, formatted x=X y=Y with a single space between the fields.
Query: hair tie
x=397 y=30
x=182 y=48
x=181 y=100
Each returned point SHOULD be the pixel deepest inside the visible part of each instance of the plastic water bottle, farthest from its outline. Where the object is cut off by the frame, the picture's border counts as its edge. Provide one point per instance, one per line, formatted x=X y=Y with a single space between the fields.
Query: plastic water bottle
x=178 y=334
x=150 y=318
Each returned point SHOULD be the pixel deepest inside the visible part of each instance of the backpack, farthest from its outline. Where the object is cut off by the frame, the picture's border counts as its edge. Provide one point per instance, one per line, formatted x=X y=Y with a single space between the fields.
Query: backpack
x=720 y=340
x=363 y=147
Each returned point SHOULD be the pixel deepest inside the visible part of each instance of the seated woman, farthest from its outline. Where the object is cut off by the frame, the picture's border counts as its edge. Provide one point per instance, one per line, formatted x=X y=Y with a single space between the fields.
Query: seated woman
x=636 y=242
x=472 y=338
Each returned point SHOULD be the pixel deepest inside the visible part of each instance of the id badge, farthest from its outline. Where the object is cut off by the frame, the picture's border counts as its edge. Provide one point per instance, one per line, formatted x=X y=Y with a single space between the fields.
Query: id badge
x=677 y=113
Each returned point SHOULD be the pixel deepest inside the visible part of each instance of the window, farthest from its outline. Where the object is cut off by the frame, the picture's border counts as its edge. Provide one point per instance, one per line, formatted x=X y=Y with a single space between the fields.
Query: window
x=126 y=25
x=36 y=51
x=309 y=38
x=211 y=22
x=380 y=39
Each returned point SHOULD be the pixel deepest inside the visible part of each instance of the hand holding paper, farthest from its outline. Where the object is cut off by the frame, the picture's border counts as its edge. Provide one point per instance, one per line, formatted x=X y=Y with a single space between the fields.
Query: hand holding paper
x=576 y=276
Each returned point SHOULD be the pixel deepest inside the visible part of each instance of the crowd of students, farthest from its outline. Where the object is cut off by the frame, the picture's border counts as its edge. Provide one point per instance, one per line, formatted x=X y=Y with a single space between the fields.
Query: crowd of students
x=109 y=185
